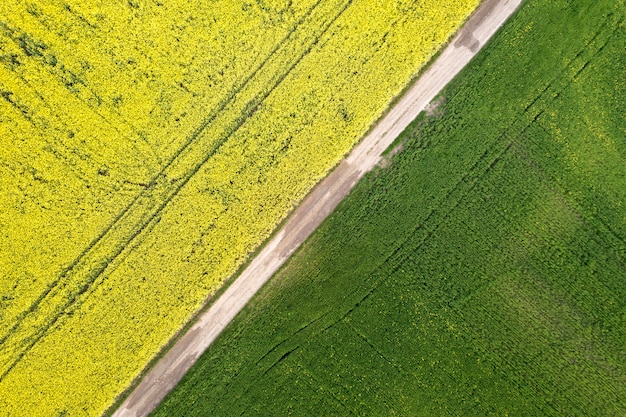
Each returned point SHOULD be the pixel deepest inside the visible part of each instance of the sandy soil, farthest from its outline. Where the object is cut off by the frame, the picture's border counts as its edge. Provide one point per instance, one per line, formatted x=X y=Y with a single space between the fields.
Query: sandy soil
x=315 y=208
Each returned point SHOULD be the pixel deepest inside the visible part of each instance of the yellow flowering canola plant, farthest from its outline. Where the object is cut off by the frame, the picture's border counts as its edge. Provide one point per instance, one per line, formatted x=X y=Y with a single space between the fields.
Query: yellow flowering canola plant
x=148 y=146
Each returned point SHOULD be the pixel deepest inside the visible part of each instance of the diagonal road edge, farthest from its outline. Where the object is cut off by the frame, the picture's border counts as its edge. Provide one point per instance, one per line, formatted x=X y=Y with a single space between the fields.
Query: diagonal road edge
x=171 y=368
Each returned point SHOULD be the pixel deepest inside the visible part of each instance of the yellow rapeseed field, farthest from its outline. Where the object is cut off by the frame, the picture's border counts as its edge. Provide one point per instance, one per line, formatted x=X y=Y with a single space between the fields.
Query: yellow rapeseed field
x=148 y=146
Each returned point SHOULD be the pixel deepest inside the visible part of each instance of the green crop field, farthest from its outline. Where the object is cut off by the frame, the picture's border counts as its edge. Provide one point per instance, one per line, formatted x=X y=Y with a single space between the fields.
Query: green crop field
x=482 y=272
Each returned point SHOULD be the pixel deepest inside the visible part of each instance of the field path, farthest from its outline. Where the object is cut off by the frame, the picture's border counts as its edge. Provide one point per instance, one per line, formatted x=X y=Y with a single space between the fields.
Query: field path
x=315 y=208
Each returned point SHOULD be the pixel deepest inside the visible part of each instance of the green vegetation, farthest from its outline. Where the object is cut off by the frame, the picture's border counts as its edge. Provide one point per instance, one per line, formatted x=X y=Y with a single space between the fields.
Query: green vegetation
x=483 y=272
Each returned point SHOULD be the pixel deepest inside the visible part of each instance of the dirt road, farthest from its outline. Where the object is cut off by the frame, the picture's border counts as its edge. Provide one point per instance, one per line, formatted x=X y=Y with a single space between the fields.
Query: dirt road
x=315 y=208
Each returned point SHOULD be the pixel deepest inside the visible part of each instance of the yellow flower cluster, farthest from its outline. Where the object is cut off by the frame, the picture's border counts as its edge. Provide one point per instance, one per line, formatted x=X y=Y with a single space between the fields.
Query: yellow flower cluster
x=149 y=146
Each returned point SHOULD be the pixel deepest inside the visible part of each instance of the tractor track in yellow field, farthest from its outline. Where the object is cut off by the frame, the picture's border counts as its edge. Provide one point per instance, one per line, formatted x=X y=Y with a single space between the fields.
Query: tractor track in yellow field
x=146 y=207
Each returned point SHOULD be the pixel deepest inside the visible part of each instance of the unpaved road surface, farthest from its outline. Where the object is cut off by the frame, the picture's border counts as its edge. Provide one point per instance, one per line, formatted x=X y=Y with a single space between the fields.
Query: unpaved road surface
x=315 y=208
